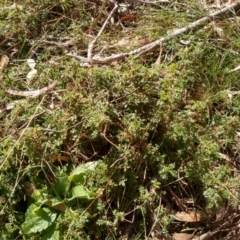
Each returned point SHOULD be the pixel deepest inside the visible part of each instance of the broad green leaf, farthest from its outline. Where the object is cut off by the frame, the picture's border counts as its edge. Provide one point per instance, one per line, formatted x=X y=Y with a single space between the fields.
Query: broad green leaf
x=80 y=192
x=38 y=219
x=51 y=233
x=62 y=185
x=78 y=173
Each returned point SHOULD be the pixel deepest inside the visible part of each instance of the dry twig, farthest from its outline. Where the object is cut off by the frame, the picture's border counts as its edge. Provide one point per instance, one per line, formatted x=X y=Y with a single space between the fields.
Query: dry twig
x=33 y=93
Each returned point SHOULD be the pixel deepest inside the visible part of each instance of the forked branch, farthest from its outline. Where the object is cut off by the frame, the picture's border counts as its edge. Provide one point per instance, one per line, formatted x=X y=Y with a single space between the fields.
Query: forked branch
x=151 y=46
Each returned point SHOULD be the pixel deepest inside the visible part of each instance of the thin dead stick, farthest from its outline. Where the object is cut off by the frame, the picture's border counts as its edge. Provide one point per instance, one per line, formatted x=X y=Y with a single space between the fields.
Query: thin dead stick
x=90 y=46
x=151 y=46
x=33 y=93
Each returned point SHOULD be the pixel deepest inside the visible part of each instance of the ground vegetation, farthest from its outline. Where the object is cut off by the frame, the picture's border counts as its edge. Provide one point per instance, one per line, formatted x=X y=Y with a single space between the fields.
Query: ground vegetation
x=119 y=119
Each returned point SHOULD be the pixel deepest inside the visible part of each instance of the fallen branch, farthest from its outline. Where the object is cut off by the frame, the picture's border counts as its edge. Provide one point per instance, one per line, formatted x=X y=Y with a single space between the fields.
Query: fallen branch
x=151 y=46
x=33 y=93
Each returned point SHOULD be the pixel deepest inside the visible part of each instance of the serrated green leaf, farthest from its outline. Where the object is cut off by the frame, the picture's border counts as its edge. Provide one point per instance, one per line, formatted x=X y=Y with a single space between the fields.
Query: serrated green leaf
x=78 y=173
x=39 y=196
x=38 y=219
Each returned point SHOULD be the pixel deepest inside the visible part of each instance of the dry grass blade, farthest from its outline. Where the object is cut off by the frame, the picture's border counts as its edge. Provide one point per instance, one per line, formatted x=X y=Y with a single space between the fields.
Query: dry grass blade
x=3 y=64
x=182 y=236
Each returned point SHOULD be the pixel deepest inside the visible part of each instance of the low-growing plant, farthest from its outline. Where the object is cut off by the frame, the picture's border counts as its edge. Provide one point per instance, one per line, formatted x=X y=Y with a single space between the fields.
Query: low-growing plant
x=115 y=151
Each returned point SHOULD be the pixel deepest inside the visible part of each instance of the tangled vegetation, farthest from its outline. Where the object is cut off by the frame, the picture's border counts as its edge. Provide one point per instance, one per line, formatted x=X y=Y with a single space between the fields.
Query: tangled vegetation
x=140 y=148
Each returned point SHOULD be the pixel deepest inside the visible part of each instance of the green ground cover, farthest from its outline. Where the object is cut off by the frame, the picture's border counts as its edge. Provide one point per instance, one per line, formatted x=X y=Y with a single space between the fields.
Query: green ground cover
x=118 y=150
